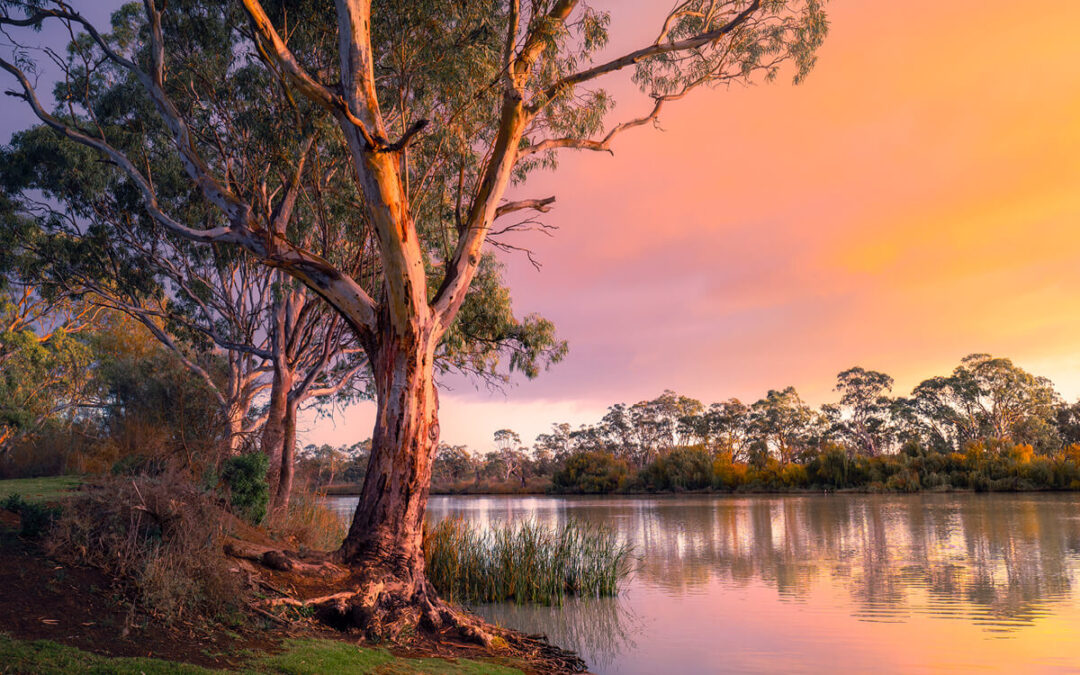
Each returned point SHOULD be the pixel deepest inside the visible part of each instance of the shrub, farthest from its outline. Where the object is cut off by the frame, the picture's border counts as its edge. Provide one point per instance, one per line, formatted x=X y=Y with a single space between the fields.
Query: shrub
x=35 y=519
x=43 y=453
x=591 y=473
x=767 y=474
x=249 y=491
x=525 y=562
x=680 y=469
x=831 y=467
x=794 y=475
x=728 y=474
x=1038 y=472
x=903 y=481
x=159 y=537
x=934 y=480
x=12 y=502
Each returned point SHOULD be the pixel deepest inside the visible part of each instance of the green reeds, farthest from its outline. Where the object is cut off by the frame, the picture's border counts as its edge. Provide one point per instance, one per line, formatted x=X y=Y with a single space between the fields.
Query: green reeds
x=524 y=562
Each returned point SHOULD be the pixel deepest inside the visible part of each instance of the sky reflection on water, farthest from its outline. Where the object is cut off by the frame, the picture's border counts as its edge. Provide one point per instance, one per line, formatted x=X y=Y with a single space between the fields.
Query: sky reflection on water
x=810 y=583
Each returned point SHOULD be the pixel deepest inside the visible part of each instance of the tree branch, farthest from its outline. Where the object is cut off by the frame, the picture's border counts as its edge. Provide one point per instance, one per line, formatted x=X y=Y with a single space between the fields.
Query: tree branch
x=641 y=54
x=308 y=86
x=602 y=145
x=513 y=119
x=341 y=291
x=219 y=234
x=541 y=205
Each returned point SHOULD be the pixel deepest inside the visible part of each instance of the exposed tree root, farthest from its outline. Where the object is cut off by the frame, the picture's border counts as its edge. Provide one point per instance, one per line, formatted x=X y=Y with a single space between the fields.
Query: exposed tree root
x=389 y=606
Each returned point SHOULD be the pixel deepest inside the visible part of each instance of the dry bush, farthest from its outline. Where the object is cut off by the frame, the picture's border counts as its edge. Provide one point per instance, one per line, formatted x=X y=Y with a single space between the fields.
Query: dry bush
x=310 y=522
x=160 y=537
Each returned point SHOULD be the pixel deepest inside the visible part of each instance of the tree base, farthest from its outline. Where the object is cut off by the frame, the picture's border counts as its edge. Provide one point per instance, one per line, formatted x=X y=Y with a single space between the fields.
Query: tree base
x=386 y=606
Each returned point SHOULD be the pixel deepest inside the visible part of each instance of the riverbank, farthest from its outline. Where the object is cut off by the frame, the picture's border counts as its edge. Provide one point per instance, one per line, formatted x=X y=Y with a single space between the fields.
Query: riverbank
x=982 y=467
x=294 y=656
x=67 y=618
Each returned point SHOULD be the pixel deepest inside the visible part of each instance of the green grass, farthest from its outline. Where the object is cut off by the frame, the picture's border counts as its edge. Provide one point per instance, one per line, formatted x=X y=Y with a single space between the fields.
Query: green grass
x=45 y=489
x=43 y=656
x=310 y=657
x=301 y=657
x=524 y=562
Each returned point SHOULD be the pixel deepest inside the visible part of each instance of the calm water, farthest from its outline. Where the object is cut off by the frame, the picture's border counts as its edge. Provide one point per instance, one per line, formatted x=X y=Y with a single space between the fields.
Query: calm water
x=843 y=583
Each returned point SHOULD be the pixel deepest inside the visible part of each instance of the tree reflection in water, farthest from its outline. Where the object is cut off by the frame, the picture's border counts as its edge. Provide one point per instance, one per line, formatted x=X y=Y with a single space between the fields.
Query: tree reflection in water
x=995 y=559
x=995 y=562
x=599 y=628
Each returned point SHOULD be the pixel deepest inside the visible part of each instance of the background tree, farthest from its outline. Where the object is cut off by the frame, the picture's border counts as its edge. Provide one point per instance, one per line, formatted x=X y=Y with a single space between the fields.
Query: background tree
x=557 y=445
x=727 y=427
x=511 y=457
x=454 y=464
x=865 y=407
x=783 y=424
x=984 y=397
x=44 y=360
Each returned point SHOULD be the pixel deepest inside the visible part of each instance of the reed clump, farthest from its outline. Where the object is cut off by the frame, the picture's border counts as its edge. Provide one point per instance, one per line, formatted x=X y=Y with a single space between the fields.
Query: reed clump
x=524 y=561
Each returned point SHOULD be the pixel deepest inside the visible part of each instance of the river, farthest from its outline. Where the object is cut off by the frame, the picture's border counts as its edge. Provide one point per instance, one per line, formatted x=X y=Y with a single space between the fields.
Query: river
x=840 y=583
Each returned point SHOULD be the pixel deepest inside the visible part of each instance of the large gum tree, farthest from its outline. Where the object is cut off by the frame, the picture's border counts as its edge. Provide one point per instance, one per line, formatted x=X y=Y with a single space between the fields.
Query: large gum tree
x=438 y=107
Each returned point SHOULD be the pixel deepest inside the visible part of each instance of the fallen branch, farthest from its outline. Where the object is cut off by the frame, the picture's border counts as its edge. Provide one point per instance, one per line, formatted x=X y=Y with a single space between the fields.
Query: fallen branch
x=262 y=612
x=282 y=561
x=321 y=600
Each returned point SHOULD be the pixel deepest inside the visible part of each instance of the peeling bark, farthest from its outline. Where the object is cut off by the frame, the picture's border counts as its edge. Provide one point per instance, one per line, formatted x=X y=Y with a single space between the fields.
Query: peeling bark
x=387 y=527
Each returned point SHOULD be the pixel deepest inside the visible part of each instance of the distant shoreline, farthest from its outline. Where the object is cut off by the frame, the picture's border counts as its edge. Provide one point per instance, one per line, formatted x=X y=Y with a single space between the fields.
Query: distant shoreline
x=354 y=491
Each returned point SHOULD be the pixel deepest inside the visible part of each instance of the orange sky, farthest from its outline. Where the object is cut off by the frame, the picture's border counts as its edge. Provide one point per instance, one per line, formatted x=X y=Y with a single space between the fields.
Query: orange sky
x=917 y=199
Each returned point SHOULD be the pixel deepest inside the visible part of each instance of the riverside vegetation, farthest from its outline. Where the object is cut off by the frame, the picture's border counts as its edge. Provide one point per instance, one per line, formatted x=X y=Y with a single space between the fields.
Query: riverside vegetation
x=987 y=426
x=524 y=561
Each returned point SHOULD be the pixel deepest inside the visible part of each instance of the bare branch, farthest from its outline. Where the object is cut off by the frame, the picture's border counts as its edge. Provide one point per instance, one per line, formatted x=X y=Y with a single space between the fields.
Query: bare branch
x=602 y=145
x=279 y=219
x=413 y=129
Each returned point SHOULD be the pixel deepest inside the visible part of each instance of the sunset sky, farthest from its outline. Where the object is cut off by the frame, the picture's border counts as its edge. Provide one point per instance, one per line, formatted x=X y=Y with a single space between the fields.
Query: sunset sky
x=915 y=200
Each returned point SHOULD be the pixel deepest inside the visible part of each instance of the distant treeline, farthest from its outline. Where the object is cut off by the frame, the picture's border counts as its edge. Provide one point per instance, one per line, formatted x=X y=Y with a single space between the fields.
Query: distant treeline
x=989 y=425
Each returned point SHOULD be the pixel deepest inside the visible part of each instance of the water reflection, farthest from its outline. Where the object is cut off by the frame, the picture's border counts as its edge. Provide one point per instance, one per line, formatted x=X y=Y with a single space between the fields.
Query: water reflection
x=603 y=629
x=998 y=564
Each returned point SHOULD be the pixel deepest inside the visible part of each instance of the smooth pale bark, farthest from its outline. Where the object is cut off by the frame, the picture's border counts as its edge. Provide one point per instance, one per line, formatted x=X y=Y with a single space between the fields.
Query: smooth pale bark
x=274 y=432
x=288 y=459
x=235 y=418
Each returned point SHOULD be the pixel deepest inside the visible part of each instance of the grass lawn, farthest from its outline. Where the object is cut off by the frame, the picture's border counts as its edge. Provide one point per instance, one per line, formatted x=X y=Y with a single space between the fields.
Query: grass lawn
x=301 y=657
x=39 y=489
